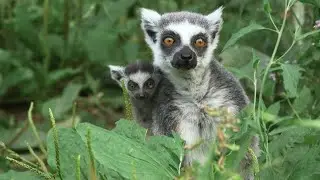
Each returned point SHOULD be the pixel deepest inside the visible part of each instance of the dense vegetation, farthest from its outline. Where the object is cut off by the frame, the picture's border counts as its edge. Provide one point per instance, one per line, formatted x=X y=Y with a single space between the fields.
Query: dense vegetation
x=54 y=54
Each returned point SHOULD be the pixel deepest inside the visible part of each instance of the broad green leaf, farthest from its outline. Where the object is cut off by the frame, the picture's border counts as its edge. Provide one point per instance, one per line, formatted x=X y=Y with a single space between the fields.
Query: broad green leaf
x=70 y=146
x=303 y=100
x=16 y=175
x=246 y=30
x=291 y=75
x=122 y=153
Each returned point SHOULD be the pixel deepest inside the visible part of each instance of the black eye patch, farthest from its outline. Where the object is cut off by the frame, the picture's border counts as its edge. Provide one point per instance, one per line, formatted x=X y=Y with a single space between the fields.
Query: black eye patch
x=169 y=34
x=150 y=83
x=132 y=86
x=202 y=36
x=200 y=50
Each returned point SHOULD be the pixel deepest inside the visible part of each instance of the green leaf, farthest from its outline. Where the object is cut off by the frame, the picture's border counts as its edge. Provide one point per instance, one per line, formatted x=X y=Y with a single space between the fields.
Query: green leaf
x=59 y=74
x=14 y=78
x=61 y=105
x=122 y=153
x=274 y=108
x=246 y=30
x=291 y=75
x=26 y=136
x=70 y=146
x=117 y=8
x=313 y=2
x=266 y=6
x=101 y=42
x=303 y=100
x=16 y=175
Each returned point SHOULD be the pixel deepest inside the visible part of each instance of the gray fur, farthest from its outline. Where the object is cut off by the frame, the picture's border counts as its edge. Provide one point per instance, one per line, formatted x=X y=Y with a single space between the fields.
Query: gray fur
x=142 y=108
x=184 y=93
x=178 y=17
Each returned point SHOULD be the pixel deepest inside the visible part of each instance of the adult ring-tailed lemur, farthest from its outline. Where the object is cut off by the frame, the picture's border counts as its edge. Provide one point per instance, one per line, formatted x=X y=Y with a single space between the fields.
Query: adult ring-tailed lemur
x=183 y=44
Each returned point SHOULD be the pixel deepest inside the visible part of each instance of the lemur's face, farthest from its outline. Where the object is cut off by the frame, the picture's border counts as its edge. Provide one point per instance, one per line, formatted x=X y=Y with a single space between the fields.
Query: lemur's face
x=141 y=85
x=181 y=40
x=140 y=80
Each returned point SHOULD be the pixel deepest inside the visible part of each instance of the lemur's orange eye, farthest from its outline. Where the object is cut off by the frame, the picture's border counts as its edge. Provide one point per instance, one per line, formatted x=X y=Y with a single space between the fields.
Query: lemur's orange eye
x=200 y=43
x=168 y=41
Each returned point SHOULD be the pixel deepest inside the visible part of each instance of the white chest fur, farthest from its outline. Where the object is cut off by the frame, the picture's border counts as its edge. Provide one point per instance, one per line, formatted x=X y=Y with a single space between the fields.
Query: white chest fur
x=194 y=123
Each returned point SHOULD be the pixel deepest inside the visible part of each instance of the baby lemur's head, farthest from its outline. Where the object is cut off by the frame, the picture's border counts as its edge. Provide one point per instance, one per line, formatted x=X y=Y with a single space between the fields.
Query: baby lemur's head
x=140 y=79
x=181 y=40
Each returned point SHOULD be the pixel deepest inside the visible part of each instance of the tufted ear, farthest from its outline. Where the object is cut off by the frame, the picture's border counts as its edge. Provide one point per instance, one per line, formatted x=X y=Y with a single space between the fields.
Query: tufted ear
x=117 y=73
x=149 y=24
x=216 y=21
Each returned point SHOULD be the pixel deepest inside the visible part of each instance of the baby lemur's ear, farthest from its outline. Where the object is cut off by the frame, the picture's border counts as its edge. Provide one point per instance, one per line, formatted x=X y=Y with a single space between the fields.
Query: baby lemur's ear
x=149 y=24
x=117 y=73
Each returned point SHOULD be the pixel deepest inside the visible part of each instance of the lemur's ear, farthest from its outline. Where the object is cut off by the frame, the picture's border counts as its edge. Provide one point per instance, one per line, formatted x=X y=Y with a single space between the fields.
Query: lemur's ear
x=149 y=24
x=117 y=73
x=216 y=21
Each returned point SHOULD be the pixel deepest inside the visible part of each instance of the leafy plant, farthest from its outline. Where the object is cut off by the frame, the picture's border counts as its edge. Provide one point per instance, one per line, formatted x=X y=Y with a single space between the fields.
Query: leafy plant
x=270 y=45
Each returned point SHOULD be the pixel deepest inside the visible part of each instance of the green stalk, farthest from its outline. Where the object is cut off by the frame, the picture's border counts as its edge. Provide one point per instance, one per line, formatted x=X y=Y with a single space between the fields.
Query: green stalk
x=56 y=144
x=34 y=130
x=265 y=137
x=42 y=165
x=93 y=174
x=127 y=102
x=78 y=174
x=74 y=115
x=21 y=164
x=45 y=35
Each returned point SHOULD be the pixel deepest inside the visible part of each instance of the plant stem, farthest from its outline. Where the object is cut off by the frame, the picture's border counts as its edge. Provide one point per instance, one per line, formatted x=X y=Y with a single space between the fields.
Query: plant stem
x=34 y=130
x=45 y=36
x=294 y=110
x=43 y=166
x=42 y=174
x=265 y=137
x=93 y=175
x=78 y=170
x=291 y=46
x=56 y=143
x=74 y=115
x=270 y=17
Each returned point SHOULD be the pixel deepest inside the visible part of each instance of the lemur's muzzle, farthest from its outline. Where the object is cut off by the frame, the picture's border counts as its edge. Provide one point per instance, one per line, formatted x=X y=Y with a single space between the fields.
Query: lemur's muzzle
x=184 y=59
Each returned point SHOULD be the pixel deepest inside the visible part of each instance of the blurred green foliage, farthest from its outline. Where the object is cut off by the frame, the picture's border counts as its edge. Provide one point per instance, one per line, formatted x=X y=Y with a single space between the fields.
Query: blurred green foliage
x=56 y=52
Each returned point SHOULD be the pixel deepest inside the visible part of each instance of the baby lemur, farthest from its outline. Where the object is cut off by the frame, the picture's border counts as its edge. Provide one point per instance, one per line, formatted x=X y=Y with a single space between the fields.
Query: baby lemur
x=141 y=80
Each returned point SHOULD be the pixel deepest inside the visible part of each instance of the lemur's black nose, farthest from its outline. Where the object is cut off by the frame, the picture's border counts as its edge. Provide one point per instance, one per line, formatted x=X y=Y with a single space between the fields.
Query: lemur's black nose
x=184 y=59
x=186 y=54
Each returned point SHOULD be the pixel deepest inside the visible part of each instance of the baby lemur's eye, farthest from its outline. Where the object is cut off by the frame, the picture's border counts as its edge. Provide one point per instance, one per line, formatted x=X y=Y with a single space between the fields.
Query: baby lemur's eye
x=132 y=85
x=200 y=43
x=150 y=83
x=168 y=41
